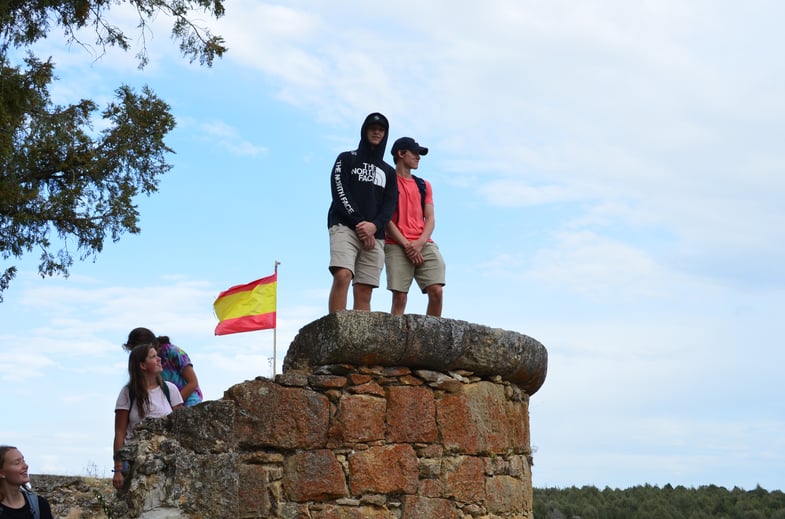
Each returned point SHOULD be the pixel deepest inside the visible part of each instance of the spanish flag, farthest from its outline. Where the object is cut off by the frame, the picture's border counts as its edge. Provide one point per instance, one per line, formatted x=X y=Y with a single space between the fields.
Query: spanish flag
x=249 y=307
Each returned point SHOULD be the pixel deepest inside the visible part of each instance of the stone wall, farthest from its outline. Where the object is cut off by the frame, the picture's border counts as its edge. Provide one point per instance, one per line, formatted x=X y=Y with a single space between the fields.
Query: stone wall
x=349 y=430
x=75 y=497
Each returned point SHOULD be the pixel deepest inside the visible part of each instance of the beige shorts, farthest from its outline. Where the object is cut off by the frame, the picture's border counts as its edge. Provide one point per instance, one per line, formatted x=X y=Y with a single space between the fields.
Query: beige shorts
x=401 y=271
x=346 y=251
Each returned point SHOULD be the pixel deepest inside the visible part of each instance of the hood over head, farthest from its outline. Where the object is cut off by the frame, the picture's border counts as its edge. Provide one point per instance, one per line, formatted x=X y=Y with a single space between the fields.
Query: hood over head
x=365 y=147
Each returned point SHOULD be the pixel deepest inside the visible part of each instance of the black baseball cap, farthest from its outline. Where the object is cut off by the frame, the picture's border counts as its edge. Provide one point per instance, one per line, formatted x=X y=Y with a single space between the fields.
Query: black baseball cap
x=407 y=143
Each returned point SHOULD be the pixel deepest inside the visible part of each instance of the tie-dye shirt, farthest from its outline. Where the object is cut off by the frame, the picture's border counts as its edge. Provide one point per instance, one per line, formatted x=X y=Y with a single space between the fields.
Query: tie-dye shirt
x=174 y=360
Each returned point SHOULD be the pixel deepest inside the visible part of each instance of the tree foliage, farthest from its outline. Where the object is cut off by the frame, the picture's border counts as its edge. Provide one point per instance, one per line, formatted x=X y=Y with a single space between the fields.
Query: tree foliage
x=23 y=22
x=65 y=188
x=639 y=502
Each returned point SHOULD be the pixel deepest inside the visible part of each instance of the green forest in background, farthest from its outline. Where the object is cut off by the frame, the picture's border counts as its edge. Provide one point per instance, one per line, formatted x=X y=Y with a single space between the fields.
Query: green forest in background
x=652 y=502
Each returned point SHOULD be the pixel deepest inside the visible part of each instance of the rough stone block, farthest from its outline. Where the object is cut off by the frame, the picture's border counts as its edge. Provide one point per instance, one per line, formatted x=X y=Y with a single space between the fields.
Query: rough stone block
x=368 y=388
x=260 y=422
x=361 y=418
x=313 y=476
x=418 y=507
x=347 y=512
x=464 y=478
x=480 y=419
x=205 y=428
x=504 y=494
x=411 y=415
x=252 y=492
x=386 y=469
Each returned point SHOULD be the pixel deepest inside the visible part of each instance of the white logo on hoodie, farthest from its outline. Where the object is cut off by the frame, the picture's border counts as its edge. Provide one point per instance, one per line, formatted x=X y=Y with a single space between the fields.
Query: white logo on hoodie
x=370 y=173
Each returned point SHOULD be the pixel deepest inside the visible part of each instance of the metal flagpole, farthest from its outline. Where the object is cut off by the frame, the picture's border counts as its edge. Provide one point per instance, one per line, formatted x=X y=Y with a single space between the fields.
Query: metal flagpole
x=275 y=328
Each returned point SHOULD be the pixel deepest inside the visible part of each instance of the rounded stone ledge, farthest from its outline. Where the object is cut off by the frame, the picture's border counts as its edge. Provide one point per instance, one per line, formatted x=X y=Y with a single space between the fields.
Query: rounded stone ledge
x=419 y=341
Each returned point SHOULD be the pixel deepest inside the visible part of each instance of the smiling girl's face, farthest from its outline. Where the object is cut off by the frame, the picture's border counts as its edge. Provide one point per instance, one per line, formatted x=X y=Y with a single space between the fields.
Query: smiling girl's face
x=152 y=363
x=13 y=468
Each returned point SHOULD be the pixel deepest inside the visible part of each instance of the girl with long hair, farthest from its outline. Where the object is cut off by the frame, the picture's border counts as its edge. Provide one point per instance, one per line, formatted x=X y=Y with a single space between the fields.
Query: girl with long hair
x=15 y=501
x=146 y=395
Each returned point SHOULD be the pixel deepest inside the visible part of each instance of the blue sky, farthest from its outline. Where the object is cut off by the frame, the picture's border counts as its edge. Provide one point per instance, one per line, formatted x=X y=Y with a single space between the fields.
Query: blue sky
x=608 y=179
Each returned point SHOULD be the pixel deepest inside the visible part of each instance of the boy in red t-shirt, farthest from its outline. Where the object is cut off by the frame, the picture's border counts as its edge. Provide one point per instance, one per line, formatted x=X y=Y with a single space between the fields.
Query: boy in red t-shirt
x=409 y=251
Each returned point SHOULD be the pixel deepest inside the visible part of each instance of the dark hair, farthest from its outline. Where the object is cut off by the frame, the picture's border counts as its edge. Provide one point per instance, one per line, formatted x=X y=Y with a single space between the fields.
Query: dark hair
x=136 y=381
x=3 y=451
x=396 y=157
x=164 y=339
x=139 y=336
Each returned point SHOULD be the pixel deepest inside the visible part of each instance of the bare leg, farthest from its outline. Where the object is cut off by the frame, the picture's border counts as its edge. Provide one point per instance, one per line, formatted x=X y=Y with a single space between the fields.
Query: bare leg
x=398 y=302
x=362 y=297
x=339 y=292
x=434 y=300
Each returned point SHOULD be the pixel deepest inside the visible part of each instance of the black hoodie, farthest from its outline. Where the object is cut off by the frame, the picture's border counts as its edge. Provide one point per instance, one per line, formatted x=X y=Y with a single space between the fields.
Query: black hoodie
x=363 y=185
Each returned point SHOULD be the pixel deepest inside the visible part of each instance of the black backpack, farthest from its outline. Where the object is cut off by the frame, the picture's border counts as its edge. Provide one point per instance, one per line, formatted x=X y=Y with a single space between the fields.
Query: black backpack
x=421 y=187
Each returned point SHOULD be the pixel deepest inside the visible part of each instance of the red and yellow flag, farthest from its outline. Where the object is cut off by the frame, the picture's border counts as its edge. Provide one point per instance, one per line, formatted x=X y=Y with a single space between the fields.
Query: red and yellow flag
x=249 y=307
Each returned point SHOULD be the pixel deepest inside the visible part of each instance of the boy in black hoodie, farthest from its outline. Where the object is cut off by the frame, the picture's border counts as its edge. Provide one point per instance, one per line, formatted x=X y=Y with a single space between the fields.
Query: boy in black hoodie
x=364 y=196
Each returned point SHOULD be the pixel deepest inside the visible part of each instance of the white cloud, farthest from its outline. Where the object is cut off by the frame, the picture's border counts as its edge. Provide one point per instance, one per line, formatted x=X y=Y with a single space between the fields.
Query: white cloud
x=227 y=137
x=593 y=264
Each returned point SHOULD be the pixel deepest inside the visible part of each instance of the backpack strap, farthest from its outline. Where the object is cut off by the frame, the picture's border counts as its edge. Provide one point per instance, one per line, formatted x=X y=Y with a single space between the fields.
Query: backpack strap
x=165 y=387
x=32 y=502
x=421 y=187
x=132 y=395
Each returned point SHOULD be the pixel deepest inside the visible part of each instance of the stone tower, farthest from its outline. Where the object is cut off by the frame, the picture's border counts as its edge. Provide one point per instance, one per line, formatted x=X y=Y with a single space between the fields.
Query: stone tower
x=374 y=417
